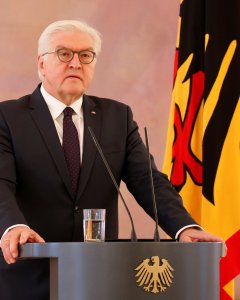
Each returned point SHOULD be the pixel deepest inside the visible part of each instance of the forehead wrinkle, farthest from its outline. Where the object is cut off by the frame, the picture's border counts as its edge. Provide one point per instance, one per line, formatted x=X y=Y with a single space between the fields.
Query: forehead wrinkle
x=68 y=48
x=72 y=40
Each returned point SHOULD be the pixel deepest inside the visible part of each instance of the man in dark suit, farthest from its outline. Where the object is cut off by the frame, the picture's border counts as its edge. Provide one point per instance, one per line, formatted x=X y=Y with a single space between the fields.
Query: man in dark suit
x=38 y=198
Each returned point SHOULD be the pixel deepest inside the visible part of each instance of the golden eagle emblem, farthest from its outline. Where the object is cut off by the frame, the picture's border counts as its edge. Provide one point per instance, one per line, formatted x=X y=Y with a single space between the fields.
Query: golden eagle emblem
x=155 y=274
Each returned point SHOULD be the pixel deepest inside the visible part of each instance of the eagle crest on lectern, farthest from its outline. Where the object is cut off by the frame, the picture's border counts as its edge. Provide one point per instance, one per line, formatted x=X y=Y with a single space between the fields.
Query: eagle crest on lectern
x=154 y=274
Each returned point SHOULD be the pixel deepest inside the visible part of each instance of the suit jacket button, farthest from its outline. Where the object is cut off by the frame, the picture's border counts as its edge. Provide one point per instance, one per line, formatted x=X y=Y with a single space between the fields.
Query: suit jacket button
x=76 y=208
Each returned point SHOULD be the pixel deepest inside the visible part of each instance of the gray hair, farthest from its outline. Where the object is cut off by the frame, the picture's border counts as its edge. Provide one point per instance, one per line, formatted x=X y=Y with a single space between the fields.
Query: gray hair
x=68 y=25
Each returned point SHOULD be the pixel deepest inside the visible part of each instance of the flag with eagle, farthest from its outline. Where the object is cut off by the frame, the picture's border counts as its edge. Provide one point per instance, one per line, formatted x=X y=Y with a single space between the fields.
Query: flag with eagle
x=203 y=146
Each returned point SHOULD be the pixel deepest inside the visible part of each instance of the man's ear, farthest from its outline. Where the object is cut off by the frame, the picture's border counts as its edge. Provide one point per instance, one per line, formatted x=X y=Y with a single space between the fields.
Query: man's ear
x=41 y=65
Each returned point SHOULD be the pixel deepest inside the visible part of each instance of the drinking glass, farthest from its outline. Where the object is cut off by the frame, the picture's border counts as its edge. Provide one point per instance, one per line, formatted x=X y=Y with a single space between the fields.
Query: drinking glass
x=94 y=225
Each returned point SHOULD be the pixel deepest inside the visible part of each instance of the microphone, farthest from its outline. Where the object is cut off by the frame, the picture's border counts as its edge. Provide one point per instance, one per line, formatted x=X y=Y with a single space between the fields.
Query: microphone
x=156 y=232
x=133 y=233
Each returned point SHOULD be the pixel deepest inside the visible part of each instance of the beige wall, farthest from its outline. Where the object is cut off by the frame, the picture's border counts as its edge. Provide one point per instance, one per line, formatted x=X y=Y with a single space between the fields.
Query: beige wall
x=135 y=66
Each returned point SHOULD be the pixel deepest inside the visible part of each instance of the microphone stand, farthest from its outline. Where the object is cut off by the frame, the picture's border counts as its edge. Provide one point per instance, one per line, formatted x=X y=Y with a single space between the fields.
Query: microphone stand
x=156 y=232
x=133 y=233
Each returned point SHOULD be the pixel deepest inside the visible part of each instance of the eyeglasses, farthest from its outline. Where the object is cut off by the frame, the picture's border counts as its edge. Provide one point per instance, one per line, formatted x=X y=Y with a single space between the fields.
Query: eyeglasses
x=66 y=55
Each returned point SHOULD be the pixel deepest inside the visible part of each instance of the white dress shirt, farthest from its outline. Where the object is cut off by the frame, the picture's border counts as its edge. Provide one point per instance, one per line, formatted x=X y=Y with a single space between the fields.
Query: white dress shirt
x=56 y=109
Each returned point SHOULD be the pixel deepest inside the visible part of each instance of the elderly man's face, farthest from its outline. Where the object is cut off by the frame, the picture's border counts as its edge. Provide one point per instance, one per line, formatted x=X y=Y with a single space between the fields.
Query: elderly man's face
x=67 y=81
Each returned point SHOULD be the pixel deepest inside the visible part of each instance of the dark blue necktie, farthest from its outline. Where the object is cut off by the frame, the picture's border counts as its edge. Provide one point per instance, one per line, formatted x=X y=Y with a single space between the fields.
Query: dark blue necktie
x=71 y=148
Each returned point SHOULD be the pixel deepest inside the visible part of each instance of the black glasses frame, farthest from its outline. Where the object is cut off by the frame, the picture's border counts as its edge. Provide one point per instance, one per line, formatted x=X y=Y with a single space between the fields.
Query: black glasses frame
x=72 y=55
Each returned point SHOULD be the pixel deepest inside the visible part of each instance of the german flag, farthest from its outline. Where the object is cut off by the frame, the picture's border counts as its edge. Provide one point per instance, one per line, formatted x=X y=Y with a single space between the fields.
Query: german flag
x=203 y=146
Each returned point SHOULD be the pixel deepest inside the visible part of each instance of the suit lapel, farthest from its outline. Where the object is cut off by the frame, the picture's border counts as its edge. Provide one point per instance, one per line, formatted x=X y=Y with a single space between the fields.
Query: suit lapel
x=92 y=118
x=44 y=122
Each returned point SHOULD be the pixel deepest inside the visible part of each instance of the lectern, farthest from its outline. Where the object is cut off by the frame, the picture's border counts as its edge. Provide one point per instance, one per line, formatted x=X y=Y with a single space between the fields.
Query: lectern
x=130 y=270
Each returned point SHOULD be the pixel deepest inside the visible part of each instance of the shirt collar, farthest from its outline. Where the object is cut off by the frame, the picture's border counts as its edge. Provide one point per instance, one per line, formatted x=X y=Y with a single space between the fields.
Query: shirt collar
x=56 y=107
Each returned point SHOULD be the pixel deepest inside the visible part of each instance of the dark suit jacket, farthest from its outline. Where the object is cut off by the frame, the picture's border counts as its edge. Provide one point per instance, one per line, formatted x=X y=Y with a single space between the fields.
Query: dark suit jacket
x=35 y=187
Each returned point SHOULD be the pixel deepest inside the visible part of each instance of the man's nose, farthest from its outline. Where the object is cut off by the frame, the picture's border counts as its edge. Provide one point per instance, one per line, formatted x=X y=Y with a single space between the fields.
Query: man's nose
x=75 y=62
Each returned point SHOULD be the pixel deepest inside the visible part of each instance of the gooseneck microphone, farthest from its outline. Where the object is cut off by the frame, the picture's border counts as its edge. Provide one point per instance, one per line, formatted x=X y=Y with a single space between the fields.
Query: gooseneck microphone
x=156 y=232
x=133 y=233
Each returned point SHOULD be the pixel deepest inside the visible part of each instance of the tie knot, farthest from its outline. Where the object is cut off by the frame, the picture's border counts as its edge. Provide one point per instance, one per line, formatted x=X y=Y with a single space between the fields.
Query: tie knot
x=68 y=112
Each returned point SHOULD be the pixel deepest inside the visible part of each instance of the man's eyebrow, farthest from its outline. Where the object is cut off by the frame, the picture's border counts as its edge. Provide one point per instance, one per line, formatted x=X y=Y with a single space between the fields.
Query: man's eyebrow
x=61 y=46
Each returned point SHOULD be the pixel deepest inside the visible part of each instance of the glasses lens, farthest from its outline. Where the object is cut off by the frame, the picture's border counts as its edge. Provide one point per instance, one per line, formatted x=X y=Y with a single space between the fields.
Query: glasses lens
x=65 y=55
x=86 y=57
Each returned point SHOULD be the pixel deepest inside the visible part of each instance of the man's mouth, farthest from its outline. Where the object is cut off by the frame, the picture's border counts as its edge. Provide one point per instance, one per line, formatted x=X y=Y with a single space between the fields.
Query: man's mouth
x=74 y=76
